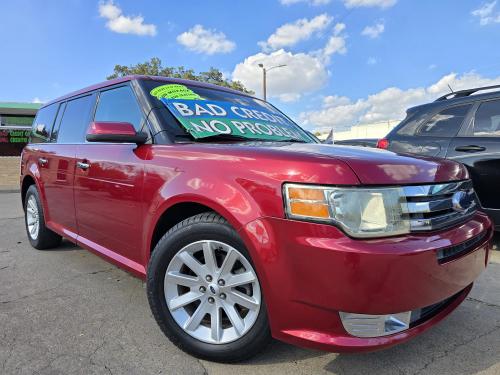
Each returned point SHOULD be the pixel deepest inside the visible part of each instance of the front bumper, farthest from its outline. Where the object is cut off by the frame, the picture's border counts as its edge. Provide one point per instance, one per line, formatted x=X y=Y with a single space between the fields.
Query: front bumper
x=309 y=273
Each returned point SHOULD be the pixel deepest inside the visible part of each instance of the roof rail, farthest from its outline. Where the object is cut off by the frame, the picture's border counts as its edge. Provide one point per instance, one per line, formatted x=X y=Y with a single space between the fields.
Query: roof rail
x=464 y=93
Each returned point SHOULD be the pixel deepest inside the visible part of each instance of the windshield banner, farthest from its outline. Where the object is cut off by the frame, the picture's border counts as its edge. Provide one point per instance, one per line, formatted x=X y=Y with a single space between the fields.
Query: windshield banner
x=205 y=118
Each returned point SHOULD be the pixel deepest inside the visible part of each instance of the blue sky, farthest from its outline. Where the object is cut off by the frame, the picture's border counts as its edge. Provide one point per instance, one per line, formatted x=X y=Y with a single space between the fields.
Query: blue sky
x=348 y=61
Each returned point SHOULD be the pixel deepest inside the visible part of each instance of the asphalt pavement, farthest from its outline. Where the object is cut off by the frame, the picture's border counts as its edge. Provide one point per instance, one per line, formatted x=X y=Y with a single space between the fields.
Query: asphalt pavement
x=67 y=311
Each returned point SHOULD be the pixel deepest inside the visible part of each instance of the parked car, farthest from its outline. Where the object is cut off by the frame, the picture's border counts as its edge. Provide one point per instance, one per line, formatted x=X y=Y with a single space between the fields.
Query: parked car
x=244 y=226
x=462 y=127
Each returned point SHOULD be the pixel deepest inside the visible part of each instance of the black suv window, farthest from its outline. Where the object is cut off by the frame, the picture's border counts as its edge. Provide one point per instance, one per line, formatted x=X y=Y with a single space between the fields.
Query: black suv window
x=119 y=105
x=446 y=123
x=42 y=124
x=75 y=120
x=487 y=120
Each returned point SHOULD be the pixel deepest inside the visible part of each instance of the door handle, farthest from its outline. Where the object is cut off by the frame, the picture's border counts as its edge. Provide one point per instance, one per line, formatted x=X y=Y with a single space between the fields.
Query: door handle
x=83 y=166
x=470 y=148
x=42 y=161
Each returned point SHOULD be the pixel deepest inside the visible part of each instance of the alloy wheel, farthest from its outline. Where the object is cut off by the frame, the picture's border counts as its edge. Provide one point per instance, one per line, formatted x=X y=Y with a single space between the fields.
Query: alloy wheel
x=32 y=217
x=212 y=292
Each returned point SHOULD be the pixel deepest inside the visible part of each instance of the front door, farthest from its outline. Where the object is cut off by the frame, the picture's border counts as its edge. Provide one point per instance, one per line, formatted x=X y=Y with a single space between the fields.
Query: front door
x=109 y=183
x=479 y=150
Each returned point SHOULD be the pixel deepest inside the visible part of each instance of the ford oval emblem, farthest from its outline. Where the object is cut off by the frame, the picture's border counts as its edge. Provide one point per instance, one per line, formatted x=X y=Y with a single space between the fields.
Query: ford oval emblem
x=461 y=201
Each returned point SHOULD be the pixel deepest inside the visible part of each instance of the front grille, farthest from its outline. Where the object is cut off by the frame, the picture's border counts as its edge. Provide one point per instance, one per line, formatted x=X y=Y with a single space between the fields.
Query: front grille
x=432 y=207
x=453 y=252
x=420 y=316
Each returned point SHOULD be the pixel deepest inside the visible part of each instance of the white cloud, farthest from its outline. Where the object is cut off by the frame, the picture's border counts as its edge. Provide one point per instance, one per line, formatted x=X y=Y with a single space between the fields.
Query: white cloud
x=201 y=40
x=119 y=23
x=336 y=44
x=388 y=104
x=372 y=61
x=310 y=2
x=373 y=31
x=290 y=34
x=303 y=73
x=369 y=3
x=37 y=100
x=487 y=13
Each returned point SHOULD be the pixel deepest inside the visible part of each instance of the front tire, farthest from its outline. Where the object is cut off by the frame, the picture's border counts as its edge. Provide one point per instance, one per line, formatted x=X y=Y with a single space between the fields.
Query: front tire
x=39 y=235
x=204 y=292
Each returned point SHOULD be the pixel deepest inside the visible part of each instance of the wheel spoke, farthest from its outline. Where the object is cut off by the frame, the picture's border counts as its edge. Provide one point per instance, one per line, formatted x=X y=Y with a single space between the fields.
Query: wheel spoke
x=240 y=279
x=184 y=299
x=234 y=318
x=216 y=323
x=227 y=265
x=209 y=256
x=194 y=320
x=32 y=204
x=182 y=279
x=244 y=300
x=31 y=220
x=192 y=263
x=33 y=229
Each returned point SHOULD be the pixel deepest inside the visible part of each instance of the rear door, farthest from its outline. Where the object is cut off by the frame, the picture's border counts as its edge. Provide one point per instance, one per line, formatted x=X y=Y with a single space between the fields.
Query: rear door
x=478 y=147
x=108 y=183
x=60 y=167
x=432 y=135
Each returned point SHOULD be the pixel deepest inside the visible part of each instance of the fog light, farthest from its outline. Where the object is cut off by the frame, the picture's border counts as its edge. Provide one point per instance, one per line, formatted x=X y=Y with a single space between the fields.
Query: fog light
x=362 y=325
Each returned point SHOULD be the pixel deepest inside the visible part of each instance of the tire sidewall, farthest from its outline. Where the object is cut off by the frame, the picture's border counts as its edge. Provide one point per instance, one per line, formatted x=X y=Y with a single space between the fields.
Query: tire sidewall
x=163 y=253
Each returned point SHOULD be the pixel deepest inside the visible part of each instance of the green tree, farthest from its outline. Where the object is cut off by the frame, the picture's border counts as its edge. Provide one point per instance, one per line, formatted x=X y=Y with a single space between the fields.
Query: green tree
x=154 y=67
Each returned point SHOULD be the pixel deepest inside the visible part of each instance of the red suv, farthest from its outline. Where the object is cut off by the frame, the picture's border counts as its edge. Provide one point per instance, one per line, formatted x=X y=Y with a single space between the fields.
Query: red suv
x=245 y=227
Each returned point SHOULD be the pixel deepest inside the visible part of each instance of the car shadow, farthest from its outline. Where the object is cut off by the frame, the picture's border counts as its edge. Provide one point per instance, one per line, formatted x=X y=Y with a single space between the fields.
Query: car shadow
x=467 y=342
x=65 y=246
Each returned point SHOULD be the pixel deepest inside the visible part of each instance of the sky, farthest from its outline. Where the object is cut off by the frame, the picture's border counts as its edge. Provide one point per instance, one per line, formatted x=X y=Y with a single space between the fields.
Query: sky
x=347 y=61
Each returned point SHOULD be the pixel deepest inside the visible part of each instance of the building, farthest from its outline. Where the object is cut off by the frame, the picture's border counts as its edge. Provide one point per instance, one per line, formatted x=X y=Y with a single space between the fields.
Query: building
x=15 y=126
x=375 y=130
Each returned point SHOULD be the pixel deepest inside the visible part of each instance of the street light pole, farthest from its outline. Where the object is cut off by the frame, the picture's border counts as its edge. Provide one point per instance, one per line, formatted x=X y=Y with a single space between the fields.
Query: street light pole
x=264 y=78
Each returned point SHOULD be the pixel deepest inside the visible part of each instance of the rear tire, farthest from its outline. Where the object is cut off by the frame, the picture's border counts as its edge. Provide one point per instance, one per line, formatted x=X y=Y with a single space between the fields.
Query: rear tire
x=39 y=235
x=239 y=333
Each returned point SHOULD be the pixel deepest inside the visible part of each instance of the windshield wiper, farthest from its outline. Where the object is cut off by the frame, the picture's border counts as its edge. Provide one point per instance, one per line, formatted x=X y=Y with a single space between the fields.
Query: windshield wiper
x=232 y=137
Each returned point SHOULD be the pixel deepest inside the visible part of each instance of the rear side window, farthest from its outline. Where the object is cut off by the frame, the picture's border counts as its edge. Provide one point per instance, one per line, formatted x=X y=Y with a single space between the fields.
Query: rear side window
x=42 y=124
x=75 y=120
x=487 y=120
x=119 y=105
x=446 y=123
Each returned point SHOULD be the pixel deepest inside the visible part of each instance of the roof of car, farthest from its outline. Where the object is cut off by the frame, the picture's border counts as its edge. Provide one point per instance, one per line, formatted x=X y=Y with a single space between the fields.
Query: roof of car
x=115 y=81
x=444 y=103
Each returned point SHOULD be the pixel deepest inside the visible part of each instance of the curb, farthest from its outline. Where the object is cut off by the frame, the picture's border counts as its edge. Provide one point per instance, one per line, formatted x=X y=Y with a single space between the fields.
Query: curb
x=7 y=191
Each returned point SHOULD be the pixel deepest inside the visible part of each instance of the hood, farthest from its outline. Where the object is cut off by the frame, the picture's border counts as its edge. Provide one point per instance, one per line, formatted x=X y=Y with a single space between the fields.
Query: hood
x=380 y=167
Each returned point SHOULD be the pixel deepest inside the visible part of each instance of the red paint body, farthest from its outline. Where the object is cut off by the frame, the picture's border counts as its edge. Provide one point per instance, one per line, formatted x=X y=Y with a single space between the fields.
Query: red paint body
x=308 y=271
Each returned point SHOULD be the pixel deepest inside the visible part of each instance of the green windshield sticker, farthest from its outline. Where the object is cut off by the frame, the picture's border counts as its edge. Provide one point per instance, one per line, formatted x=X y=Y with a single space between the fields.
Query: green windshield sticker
x=206 y=118
x=174 y=91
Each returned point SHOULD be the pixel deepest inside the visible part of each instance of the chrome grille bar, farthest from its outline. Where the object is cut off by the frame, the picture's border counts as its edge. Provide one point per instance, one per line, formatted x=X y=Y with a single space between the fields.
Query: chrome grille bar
x=433 y=207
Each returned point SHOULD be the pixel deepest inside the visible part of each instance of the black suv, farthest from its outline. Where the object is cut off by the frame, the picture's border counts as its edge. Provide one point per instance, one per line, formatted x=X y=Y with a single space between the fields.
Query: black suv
x=462 y=127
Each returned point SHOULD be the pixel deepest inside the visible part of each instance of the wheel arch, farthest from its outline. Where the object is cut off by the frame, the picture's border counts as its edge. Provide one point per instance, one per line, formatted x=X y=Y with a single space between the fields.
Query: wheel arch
x=28 y=180
x=173 y=215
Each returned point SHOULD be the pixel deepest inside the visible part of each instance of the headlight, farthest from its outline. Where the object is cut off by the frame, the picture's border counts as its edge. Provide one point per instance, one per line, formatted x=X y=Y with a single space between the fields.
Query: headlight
x=360 y=212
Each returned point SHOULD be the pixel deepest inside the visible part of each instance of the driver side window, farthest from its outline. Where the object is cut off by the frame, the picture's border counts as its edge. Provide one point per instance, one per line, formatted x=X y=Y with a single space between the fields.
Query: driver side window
x=120 y=105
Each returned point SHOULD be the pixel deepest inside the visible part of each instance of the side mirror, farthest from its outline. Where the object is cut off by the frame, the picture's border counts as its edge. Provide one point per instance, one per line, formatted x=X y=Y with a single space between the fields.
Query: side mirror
x=115 y=132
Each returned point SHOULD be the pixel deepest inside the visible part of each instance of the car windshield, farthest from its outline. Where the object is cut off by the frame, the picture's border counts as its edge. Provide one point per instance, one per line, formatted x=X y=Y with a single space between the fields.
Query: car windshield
x=206 y=113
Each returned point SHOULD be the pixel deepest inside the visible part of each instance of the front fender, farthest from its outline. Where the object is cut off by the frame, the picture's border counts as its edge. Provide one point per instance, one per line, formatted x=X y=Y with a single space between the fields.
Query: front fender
x=231 y=200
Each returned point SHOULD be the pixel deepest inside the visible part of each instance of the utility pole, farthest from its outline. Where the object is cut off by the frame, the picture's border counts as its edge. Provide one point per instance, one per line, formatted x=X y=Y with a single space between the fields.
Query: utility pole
x=264 y=78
